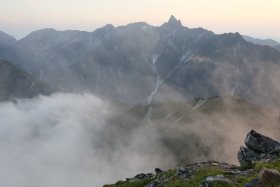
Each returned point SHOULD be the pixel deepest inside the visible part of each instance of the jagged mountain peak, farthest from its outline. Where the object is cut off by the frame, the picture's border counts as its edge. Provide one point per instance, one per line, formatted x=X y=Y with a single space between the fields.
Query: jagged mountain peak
x=174 y=22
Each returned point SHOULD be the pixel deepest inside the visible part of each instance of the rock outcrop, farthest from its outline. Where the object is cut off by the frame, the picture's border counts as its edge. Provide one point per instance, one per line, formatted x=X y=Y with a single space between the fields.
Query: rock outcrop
x=139 y=177
x=210 y=181
x=258 y=147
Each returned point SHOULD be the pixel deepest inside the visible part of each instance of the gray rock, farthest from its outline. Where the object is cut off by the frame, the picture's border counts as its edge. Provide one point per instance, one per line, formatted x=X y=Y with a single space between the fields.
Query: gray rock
x=237 y=172
x=210 y=181
x=158 y=171
x=259 y=148
x=182 y=172
x=246 y=156
x=143 y=176
x=260 y=143
x=275 y=152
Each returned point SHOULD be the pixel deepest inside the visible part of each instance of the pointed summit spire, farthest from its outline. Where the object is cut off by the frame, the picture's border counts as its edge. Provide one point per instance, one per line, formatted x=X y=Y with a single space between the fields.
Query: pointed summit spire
x=172 y=19
x=174 y=22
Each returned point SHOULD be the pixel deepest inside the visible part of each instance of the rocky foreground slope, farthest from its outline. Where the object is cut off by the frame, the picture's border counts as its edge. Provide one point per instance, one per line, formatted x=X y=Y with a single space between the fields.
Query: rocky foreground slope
x=259 y=167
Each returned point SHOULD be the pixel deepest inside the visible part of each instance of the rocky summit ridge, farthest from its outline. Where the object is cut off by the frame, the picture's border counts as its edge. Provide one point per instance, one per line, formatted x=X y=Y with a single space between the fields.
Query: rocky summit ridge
x=259 y=167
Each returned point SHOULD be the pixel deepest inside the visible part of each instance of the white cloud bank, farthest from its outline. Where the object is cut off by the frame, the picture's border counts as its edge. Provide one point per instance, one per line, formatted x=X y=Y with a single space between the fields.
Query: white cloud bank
x=55 y=142
x=68 y=140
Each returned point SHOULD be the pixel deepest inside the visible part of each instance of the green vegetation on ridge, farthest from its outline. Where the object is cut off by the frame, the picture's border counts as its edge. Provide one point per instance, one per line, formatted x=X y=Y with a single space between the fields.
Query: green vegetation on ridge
x=173 y=180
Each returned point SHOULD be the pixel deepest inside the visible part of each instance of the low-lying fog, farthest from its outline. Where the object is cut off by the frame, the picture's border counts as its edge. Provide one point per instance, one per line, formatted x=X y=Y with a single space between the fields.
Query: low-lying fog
x=67 y=140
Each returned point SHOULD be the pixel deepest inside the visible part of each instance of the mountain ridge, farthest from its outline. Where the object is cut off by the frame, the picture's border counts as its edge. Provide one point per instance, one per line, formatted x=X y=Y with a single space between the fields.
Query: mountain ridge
x=140 y=63
x=259 y=172
x=268 y=42
x=15 y=83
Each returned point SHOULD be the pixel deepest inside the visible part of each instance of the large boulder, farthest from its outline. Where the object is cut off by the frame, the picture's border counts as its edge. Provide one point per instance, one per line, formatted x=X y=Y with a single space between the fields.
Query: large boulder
x=258 y=147
x=270 y=176
x=246 y=155
x=260 y=143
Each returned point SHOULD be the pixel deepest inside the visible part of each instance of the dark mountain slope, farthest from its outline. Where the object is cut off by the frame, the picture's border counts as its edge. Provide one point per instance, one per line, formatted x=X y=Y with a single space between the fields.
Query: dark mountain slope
x=11 y=50
x=52 y=49
x=15 y=83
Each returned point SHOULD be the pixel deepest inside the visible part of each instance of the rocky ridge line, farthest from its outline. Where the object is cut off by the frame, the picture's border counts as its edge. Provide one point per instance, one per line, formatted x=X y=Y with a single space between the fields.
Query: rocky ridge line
x=259 y=167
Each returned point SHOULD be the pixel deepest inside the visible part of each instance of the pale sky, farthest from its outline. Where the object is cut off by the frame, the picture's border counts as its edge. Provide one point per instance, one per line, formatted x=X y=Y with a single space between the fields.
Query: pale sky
x=259 y=18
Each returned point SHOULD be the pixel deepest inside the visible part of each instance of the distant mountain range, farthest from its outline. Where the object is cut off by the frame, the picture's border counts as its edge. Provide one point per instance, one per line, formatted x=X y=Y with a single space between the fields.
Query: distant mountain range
x=258 y=41
x=140 y=63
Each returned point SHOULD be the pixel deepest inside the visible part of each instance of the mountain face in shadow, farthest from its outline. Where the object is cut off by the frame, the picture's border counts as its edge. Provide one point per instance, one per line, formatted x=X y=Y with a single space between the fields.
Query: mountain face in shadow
x=140 y=63
x=15 y=83
x=11 y=50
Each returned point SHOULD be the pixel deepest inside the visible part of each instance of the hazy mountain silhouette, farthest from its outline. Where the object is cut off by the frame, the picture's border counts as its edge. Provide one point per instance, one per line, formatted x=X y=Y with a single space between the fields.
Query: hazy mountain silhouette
x=268 y=42
x=140 y=63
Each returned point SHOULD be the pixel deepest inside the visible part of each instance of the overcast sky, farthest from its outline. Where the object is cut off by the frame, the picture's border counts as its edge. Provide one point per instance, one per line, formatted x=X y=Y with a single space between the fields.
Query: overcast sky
x=258 y=18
